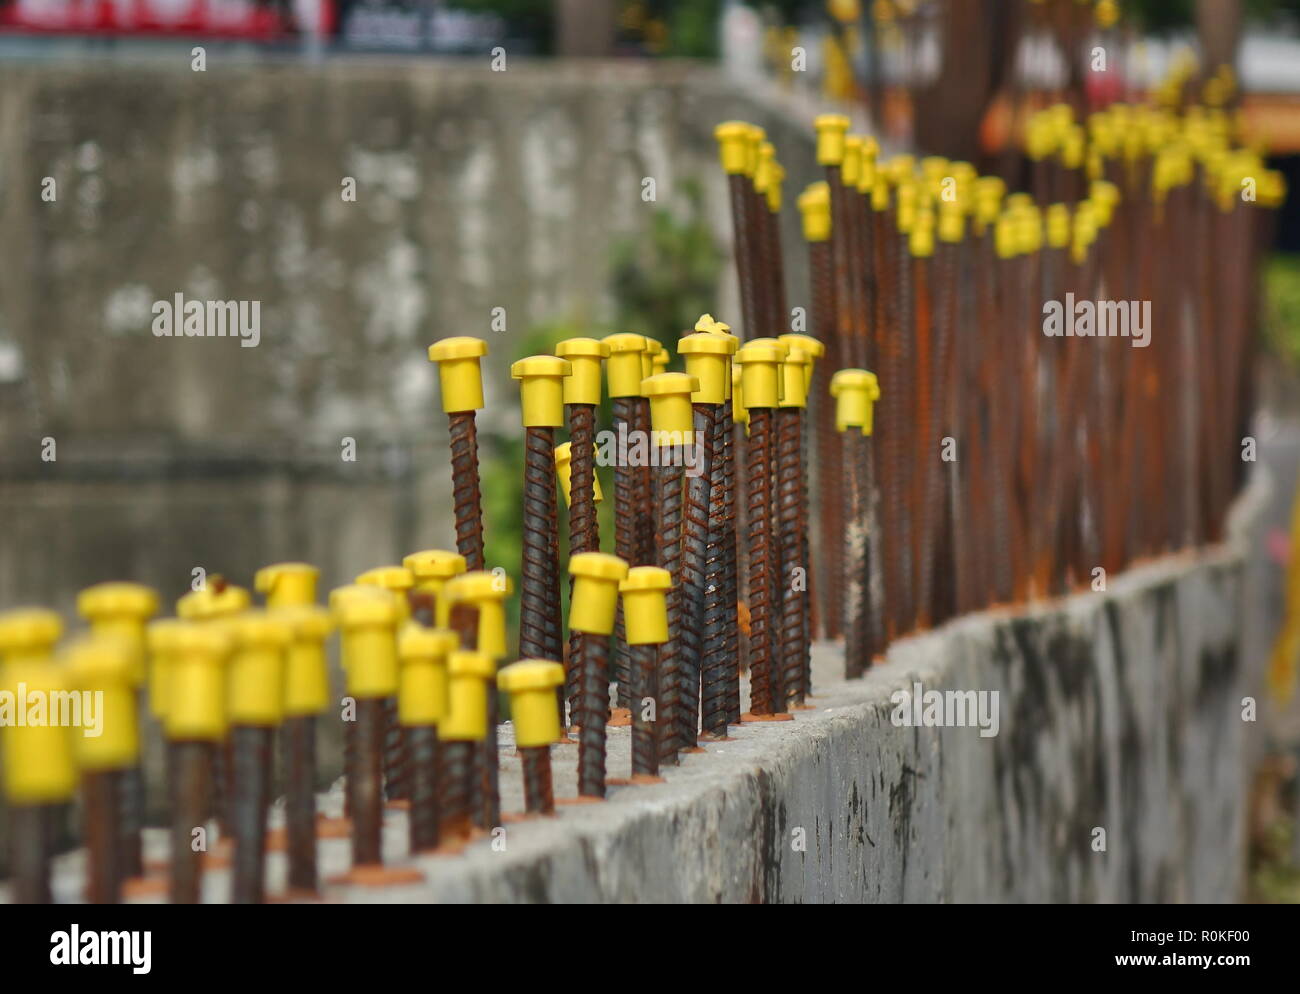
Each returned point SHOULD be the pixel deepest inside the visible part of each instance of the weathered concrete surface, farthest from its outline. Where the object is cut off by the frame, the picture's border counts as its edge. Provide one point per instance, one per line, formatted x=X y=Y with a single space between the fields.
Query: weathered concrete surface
x=1119 y=711
x=475 y=190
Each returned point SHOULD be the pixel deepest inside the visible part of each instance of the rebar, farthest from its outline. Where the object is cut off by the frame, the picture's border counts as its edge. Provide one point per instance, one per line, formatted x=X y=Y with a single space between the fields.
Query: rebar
x=739 y=187
x=694 y=568
x=190 y=800
x=790 y=525
x=131 y=801
x=763 y=678
x=592 y=664
x=101 y=823
x=538 y=796
x=625 y=543
x=645 y=728
x=719 y=614
x=252 y=754
x=857 y=652
x=487 y=793
x=673 y=652
x=535 y=622
x=396 y=786
x=584 y=534
x=456 y=780
x=426 y=813
x=364 y=784
x=466 y=499
x=725 y=429
x=300 y=800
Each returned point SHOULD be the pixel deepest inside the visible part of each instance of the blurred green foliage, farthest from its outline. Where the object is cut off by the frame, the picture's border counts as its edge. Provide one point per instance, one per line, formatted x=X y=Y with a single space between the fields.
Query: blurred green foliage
x=665 y=280
x=1282 y=307
x=1164 y=16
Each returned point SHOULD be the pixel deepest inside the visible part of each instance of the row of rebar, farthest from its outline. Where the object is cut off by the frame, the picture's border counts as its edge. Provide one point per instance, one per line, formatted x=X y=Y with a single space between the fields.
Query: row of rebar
x=1016 y=460
x=1063 y=386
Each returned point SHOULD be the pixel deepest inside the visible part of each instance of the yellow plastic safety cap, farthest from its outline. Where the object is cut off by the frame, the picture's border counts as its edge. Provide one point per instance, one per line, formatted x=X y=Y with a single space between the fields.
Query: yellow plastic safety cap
x=812 y=350
x=624 y=367
x=659 y=361
x=367 y=619
x=851 y=164
x=306 y=669
x=209 y=603
x=468 y=674
x=596 y=576
x=773 y=191
x=432 y=568
x=422 y=695
x=855 y=392
x=831 y=130
x=564 y=473
x=650 y=358
x=733 y=143
x=582 y=385
x=256 y=689
x=763 y=173
x=531 y=685
x=794 y=392
x=120 y=610
x=397 y=580
x=196 y=698
x=815 y=206
x=760 y=362
x=541 y=389
x=28 y=631
x=708 y=359
x=868 y=172
x=1058 y=226
x=39 y=764
x=160 y=637
x=670 y=407
x=753 y=143
x=104 y=665
x=706 y=323
x=287 y=584
x=487 y=592
x=645 y=604
x=739 y=412
x=459 y=373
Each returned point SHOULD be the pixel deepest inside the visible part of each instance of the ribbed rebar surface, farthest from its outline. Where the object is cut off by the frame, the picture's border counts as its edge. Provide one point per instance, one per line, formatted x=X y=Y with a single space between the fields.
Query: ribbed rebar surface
x=762 y=556
x=466 y=500
x=672 y=654
x=592 y=664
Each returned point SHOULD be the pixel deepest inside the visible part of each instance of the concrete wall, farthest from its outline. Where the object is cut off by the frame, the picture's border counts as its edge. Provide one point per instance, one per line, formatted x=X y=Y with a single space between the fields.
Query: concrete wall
x=1120 y=711
x=475 y=190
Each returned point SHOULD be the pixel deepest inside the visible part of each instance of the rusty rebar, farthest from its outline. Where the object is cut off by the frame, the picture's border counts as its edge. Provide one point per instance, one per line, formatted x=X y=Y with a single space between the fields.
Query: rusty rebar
x=487 y=793
x=535 y=621
x=364 y=783
x=592 y=664
x=457 y=780
x=718 y=653
x=252 y=754
x=190 y=799
x=584 y=534
x=101 y=825
x=832 y=289
x=672 y=655
x=695 y=553
x=625 y=543
x=790 y=525
x=725 y=429
x=739 y=187
x=466 y=499
x=299 y=739
x=538 y=796
x=426 y=813
x=645 y=503
x=764 y=679
x=131 y=809
x=396 y=786
x=822 y=286
x=645 y=727
x=857 y=649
